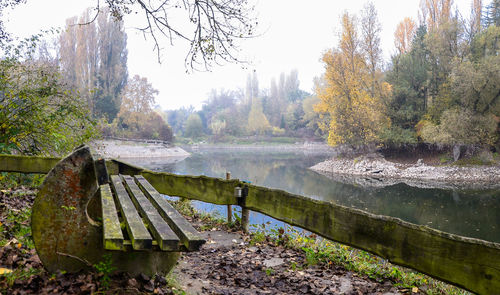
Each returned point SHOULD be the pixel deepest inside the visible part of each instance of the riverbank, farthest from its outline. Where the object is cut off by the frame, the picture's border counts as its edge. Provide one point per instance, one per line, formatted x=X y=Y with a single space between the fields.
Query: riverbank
x=112 y=148
x=303 y=147
x=373 y=170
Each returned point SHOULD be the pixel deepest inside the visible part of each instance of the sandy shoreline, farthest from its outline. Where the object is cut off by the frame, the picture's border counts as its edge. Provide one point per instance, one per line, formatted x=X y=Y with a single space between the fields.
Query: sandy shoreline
x=119 y=149
x=375 y=171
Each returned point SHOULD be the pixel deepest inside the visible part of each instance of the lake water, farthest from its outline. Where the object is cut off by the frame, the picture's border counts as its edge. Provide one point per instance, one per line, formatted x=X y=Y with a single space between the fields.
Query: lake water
x=470 y=213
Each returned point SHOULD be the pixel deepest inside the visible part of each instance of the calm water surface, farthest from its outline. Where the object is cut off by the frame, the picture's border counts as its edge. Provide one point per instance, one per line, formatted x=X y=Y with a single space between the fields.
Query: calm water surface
x=469 y=213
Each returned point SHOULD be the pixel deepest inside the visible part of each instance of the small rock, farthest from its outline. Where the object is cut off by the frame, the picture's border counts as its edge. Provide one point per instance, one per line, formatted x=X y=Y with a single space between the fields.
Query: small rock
x=160 y=280
x=143 y=277
x=273 y=262
x=132 y=283
x=149 y=286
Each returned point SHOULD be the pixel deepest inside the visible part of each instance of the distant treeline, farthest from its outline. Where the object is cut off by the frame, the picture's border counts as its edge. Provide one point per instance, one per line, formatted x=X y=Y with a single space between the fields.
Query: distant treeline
x=281 y=110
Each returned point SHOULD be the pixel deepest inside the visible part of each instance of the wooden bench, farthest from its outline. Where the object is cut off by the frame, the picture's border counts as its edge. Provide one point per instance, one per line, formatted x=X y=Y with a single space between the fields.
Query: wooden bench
x=151 y=222
x=81 y=214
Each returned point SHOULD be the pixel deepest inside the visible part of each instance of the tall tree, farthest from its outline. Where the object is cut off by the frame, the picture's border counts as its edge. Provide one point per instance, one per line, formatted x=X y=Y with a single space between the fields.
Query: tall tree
x=194 y=126
x=492 y=14
x=292 y=86
x=273 y=111
x=252 y=87
x=408 y=76
x=137 y=117
x=86 y=58
x=94 y=59
x=356 y=116
x=112 y=73
x=404 y=35
x=370 y=45
x=67 y=52
x=434 y=13
x=257 y=121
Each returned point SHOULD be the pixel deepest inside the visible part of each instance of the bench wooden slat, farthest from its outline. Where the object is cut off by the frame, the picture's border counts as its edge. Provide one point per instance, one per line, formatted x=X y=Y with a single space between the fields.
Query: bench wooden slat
x=113 y=236
x=166 y=238
x=187 y=233
x=139 y=235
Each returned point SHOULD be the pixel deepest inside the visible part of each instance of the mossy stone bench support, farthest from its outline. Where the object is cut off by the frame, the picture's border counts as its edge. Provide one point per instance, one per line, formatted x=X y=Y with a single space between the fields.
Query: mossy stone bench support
x=75 y=222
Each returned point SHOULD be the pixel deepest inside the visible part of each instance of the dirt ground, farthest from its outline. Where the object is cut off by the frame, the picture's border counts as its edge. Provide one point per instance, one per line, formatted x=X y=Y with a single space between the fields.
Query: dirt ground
x=228 y=265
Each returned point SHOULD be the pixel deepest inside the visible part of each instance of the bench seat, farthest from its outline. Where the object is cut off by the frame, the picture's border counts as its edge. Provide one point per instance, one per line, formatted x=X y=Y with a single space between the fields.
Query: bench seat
x=136 y=217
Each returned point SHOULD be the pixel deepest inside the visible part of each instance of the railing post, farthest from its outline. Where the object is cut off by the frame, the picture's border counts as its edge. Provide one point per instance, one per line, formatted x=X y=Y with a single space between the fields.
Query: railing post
x=245 y=214
x=229 y=207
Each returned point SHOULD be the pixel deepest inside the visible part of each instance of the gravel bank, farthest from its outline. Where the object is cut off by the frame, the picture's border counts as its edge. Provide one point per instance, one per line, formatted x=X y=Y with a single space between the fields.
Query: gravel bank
x=129 y=149
x=374 y=170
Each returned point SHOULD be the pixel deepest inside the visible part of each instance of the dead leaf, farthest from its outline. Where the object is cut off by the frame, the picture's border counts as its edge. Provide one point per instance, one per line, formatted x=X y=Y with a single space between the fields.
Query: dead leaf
x=4 y=271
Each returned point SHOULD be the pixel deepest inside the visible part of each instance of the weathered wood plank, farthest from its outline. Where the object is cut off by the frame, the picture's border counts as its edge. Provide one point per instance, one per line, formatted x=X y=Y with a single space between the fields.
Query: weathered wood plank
x=188 y=234
x=27 y=164
x=113 y=236
x=469 y=263
x=139 y=235
x=203 y=188
x=166 y=238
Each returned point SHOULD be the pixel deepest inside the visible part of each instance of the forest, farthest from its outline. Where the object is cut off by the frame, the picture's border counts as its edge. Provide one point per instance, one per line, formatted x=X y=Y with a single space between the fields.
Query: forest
x=60 y=88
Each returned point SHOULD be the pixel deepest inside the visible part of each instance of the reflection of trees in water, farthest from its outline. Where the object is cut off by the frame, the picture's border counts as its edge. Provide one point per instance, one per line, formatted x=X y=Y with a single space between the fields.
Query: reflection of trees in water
x=469 y=213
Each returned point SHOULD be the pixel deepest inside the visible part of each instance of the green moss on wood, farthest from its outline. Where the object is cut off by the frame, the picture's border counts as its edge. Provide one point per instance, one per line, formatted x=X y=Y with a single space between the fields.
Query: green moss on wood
x=113 y=236
x=203 y=188
x=27 y=164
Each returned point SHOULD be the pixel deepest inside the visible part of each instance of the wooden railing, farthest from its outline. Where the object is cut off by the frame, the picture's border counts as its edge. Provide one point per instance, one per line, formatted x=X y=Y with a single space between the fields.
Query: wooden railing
x=469 y=263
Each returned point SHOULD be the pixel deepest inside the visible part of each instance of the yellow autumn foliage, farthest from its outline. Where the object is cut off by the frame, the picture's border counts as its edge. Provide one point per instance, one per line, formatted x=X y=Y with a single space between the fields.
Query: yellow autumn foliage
x=347 y=94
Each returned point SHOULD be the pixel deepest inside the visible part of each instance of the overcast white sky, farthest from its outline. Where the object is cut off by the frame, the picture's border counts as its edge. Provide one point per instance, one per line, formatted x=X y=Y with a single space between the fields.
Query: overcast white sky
x=295 y=33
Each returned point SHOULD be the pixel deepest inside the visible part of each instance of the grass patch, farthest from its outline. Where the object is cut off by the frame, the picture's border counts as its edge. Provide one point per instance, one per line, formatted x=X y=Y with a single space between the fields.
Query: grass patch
x=445 y=159
x=322 y=251
x=21 y=274
x=14 y=179
x=473 y=161
x=17 y=225
x=174 y=284
x=210 y=221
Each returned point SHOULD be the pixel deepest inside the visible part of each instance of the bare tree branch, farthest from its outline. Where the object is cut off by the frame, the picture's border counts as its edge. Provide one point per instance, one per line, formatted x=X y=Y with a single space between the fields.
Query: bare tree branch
x=210 y=27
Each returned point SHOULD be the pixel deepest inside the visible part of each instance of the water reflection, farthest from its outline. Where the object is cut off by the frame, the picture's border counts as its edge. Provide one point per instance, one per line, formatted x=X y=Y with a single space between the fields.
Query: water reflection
x=465 y=212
